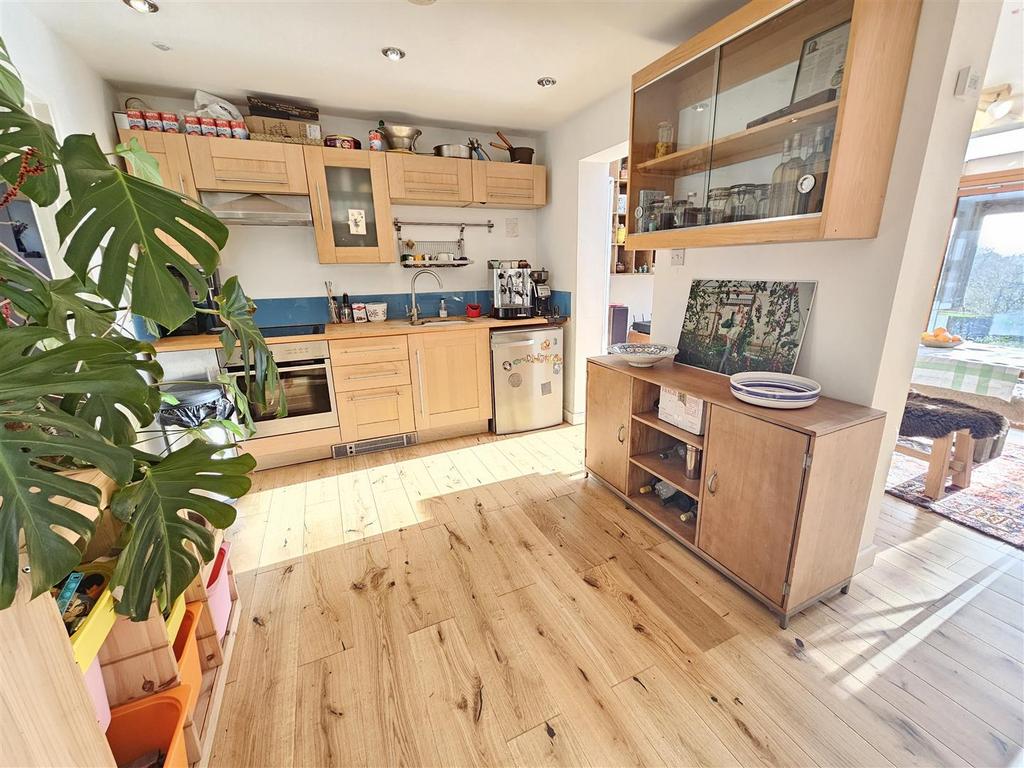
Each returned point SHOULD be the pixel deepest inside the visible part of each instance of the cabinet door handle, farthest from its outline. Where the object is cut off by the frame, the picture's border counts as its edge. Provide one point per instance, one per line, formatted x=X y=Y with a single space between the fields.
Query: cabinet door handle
x=419 y=381
x=320 y=206
x=379 y=375
x=713 y=483
x=181 y=183
x=621 y=435
x=368 y=349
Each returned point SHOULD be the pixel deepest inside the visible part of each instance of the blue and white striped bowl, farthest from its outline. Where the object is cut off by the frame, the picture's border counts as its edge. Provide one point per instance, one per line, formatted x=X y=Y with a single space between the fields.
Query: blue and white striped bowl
x=774 y=390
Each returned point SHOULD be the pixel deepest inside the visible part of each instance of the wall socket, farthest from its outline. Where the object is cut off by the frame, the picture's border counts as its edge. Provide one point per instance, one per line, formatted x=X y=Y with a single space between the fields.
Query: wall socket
x=678 y=257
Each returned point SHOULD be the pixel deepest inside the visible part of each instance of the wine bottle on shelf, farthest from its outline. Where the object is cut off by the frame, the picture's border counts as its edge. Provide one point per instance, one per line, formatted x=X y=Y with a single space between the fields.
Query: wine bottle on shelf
x=776 y=195
x=811 y=186
x=791 y=173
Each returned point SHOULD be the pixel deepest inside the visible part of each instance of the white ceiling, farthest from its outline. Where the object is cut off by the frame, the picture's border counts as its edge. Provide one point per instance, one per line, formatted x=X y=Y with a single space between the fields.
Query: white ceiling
x=468 y=63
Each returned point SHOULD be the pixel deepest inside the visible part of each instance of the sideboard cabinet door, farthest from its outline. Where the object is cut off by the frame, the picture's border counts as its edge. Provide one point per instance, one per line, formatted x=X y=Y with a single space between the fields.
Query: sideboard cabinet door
x=752 y=482
x=608 y=415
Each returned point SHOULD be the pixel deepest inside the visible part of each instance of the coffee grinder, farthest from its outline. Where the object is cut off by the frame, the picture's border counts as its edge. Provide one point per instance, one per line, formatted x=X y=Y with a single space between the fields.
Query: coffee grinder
x=542 y=306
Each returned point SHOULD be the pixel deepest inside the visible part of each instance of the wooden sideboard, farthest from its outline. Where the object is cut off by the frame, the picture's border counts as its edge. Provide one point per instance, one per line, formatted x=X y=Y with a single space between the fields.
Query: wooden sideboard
x=782 y=494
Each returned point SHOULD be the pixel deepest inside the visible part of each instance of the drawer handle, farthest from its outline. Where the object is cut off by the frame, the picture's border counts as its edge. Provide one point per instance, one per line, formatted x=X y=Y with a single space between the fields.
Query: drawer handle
x=250 y=181
x=621 y=436
x=388 y=396
x=380 y=375
x=369 y=349
x=713 y=483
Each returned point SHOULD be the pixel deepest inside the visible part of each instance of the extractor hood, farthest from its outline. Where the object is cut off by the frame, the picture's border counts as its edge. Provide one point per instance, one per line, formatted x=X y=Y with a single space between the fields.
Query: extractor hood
x=259 y=209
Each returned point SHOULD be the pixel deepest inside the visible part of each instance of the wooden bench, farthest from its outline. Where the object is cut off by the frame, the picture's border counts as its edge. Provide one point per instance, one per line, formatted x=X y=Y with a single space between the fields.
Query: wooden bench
x=951 y=456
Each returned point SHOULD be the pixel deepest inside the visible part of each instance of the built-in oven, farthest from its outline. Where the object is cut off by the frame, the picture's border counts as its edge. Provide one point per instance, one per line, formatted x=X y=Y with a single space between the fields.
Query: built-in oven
x=305 y=371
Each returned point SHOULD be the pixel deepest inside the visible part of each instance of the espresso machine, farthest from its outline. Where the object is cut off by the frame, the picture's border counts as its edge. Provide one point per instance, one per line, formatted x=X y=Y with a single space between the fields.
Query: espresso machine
x=512 y=289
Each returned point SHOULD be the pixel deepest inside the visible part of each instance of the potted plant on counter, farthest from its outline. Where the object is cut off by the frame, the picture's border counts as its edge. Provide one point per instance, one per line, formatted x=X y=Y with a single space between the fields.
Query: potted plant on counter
x=76 y=388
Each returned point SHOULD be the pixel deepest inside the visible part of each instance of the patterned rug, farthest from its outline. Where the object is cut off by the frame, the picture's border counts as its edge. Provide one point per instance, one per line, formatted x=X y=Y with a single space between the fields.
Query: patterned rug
x=993 y=504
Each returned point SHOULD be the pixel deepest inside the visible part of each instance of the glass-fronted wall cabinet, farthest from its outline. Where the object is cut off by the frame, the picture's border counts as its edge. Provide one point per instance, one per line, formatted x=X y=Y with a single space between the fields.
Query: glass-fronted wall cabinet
x=776 y=124
x=348 y=195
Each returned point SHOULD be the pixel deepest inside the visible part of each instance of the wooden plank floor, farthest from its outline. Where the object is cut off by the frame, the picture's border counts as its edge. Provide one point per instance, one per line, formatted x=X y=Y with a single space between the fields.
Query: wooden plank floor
x=478 y=601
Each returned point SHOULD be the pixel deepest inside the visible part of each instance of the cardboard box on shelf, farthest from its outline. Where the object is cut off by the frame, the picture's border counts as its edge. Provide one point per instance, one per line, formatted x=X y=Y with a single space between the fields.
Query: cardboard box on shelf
x=295 y=129
x=684 y=411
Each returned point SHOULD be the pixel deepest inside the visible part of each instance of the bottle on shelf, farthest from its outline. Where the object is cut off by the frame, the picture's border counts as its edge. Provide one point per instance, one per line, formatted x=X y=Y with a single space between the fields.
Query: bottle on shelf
x=811 y=188
x=791 y=173
x=667 y=213
x=692 y=214
x=777 y=194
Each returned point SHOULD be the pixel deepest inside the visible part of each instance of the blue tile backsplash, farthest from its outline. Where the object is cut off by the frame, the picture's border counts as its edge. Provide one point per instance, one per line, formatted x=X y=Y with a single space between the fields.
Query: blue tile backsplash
x=313 y=309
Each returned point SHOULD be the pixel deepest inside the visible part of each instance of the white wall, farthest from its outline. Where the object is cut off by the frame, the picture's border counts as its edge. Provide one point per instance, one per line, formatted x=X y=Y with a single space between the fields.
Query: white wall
x=559 y=230
x=56 y=81
x=281 y=262
x=872 y=294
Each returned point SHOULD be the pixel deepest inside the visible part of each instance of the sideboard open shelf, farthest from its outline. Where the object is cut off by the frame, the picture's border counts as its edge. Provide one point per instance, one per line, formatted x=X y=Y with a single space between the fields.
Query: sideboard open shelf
x=712 y=120
x=782 y=494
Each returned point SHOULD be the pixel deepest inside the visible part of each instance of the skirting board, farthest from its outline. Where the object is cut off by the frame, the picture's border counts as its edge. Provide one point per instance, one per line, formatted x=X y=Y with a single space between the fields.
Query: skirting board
x=573 y=418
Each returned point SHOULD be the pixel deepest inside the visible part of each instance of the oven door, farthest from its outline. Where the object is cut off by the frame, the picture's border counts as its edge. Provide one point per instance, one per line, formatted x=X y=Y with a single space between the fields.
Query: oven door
x=309 y=394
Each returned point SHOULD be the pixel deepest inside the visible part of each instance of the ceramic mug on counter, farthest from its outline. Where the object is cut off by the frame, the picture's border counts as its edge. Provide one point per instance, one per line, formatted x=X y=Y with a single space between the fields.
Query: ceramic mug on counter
x=377 y=312
x=359 y=313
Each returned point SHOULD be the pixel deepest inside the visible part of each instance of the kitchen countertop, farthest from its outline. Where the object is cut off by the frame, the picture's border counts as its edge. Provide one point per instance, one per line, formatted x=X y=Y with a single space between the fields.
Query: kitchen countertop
x=350 y=331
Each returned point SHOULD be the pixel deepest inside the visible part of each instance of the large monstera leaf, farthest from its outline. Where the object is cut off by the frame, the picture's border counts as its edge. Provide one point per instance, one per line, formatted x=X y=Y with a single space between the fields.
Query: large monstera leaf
x=28 y=485
x=236 y=311
x=134 y=213
x=159 y=559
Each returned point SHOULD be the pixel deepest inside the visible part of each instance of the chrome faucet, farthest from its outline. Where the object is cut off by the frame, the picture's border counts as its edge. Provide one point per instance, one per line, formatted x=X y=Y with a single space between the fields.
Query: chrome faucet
x=414 y=313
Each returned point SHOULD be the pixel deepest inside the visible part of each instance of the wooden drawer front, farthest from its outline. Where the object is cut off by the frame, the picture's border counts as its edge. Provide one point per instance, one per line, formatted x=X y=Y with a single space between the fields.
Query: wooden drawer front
x=231 y=165
x=376 y=349
x=509 y=183
x=376 y=413
x=430 y=178
x=352 y=378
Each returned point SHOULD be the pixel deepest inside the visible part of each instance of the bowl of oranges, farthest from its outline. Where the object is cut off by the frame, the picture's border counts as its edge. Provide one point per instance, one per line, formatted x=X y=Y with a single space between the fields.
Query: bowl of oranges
x=940 y=337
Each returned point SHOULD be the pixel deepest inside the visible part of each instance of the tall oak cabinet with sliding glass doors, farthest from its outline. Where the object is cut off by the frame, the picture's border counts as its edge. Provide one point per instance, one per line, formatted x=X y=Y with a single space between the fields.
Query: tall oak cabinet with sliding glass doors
x=776 y=124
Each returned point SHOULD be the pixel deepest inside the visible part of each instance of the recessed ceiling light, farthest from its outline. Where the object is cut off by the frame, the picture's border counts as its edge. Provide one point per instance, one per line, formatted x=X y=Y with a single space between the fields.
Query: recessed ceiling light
x=142 y=6
x=546 y=82
x=395 y=54
x=161 y=46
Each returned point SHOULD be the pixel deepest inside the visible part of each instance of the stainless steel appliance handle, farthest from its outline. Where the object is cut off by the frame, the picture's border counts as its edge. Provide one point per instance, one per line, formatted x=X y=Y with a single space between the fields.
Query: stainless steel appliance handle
x=526 y=343
x=237 y=369
x=388 y=396
x=713 y=483
x=419 y=381
x=249 y=181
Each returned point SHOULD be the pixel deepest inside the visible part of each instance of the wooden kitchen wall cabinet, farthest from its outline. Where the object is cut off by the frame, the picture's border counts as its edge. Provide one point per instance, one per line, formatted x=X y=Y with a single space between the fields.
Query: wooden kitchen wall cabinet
x=451 y=377
x=782 y=494
x=171 y=154
x=710 y=120
x=348 y=194
x=509 y=185
x=417 y=179
x=230 y=165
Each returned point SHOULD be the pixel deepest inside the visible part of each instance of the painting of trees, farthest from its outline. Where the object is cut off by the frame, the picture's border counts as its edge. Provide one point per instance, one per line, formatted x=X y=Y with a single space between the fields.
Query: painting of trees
x=744 y=325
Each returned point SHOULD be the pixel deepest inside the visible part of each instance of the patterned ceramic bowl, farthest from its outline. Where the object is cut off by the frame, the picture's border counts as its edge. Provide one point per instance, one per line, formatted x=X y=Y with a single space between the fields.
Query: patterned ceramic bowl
x=642 y=355
x=774 y=390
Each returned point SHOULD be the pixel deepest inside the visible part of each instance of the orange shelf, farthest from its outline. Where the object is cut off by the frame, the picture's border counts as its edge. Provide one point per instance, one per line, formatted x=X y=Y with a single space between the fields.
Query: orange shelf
x=650 y=418
x=669 y=470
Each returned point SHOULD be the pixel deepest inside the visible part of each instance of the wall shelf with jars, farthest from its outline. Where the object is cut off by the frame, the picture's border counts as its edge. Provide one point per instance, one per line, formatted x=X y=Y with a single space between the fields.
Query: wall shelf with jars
x=777 y=124
x=624 y=261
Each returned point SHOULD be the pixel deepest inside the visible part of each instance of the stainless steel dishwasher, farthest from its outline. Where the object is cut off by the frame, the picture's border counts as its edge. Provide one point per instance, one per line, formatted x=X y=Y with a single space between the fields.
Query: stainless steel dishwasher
x=526 y=366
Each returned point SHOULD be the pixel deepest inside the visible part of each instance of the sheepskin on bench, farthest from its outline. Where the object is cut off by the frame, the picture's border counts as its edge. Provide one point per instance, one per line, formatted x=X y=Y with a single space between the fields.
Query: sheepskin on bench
x=935 y=417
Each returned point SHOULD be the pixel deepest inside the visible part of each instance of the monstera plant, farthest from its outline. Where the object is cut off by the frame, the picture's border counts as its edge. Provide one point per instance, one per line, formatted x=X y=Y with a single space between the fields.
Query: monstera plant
x=78 y=391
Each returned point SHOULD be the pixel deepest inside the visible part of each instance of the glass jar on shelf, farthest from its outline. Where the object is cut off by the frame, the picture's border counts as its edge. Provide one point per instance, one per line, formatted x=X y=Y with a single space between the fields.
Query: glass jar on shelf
x=763 y=194
x=653 y=223
x=742 y=203
x=668 y=211
x=666 y=139
x=717 y=199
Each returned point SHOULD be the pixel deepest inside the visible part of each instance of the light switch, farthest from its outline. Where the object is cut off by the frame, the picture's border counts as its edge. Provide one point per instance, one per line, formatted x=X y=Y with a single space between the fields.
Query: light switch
x=678 y=257
x=968 y=84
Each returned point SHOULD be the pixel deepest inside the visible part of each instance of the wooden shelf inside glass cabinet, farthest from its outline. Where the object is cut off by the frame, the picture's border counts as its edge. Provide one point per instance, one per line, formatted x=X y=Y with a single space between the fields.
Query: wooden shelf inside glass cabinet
x=759 y=141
